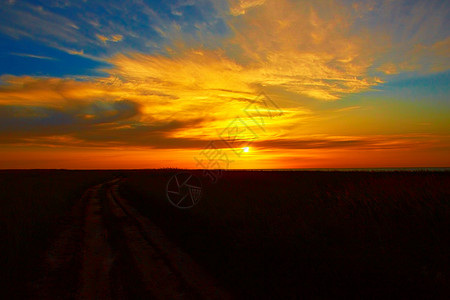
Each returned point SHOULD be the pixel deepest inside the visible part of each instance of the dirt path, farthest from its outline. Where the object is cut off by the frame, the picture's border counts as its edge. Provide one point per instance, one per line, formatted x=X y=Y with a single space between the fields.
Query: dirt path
x=113 y=252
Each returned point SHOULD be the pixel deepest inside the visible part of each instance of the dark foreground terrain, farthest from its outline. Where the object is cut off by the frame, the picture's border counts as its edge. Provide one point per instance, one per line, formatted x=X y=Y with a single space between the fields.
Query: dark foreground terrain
x=254 y=234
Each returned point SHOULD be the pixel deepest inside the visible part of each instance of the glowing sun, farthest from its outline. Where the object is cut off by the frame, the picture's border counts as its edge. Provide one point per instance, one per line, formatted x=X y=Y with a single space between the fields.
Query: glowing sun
x=246 y=149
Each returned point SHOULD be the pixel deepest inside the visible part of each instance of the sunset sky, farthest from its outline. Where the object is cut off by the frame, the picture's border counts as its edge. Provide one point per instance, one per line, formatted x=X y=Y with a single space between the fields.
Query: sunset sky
x=151 y=84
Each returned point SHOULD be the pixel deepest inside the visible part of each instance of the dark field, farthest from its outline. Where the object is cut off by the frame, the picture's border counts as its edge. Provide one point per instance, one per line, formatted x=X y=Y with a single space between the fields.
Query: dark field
x=34 y=207
x=313 y=234
x=267 y=234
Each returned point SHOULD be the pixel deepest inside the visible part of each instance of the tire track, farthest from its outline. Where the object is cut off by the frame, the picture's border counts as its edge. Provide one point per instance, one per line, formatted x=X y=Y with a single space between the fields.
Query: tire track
x=98 y=257
x=165 y=270
x=112 y=252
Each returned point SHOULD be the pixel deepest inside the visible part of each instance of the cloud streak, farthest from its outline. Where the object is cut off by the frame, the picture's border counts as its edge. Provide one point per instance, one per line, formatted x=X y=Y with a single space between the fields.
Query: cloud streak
x=32 y=56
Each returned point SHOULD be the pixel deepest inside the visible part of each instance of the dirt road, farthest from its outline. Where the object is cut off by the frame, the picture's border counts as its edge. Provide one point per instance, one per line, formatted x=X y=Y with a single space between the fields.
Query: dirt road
x=110 y=251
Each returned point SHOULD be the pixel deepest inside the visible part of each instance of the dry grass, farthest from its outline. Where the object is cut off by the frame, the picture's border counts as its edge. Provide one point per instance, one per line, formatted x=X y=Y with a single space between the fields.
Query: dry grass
x=33 y=209
x=320 y=234
x=263 y=234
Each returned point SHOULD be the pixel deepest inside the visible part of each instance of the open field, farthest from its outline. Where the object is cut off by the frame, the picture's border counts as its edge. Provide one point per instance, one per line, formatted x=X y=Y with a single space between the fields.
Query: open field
x=253 y=235
x=320 y=234
x=34 y=207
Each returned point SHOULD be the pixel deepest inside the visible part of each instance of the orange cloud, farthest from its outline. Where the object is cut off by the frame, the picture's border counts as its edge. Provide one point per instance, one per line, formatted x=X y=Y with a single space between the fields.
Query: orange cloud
x=304 y=50
x=183 y=98
x=240 y=7
x=112 y=38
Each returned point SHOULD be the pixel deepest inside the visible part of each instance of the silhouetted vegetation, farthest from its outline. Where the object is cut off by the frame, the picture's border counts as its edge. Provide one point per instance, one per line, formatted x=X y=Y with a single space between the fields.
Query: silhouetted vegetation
x=322 y=234
x=276 y=234
x=33 y=208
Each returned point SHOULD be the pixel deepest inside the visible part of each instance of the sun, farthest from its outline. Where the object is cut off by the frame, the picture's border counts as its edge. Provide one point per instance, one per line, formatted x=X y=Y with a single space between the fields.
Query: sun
x=246 y=149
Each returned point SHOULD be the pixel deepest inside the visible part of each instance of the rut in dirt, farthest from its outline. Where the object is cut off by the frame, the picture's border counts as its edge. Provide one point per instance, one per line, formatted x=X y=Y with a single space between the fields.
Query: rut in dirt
x=116 y=253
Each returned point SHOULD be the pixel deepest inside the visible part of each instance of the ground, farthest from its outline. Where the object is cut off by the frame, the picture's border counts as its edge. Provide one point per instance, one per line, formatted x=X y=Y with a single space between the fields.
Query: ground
x=266 y=234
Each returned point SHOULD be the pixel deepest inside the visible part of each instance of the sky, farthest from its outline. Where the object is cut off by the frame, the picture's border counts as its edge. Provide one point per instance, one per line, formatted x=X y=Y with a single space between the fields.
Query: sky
x=224 y=84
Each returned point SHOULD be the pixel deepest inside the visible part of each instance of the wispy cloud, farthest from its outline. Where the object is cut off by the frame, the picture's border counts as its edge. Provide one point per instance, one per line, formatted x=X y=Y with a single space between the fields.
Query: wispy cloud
x=112 y=38
x=240 y=7
x=32 y=56
x=75 y=52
